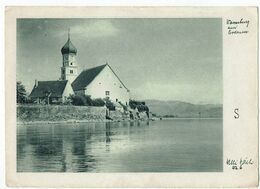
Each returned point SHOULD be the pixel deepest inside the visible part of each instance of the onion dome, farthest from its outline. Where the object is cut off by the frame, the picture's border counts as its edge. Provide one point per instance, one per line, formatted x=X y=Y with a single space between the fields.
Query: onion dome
x=68 y=48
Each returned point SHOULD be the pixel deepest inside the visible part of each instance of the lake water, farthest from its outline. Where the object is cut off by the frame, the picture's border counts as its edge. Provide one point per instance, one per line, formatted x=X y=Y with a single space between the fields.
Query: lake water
x=178 y=145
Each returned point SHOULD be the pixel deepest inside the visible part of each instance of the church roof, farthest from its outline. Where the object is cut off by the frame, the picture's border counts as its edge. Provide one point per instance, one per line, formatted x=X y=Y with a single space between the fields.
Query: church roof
x=68 y=48
x=86 y=77
x=56 y=88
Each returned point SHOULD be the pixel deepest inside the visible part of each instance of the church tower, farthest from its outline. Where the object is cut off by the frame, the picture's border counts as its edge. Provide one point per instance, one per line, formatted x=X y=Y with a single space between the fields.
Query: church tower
x=69 y=69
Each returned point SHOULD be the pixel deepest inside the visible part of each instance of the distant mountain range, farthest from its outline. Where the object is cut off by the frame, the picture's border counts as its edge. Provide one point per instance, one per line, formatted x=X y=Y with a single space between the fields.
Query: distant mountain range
x=184 y=109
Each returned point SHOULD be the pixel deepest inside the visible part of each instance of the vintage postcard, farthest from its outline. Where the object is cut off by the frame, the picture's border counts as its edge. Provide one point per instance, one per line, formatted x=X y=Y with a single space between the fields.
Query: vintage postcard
x=132 y=96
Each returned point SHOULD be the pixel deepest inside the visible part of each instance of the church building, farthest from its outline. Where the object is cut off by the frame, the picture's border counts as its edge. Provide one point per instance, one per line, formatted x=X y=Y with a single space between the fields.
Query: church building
x=98 y=82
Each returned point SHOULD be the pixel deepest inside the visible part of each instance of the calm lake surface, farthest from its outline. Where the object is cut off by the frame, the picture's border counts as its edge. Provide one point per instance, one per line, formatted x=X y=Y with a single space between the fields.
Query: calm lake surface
x=178 y=145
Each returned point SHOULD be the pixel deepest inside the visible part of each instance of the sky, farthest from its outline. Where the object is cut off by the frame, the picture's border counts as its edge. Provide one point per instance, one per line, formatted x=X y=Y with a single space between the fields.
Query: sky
x=163 y=59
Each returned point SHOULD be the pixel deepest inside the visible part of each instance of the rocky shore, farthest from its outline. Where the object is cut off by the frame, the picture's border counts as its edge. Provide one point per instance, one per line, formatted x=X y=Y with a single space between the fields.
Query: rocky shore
x=56 y=114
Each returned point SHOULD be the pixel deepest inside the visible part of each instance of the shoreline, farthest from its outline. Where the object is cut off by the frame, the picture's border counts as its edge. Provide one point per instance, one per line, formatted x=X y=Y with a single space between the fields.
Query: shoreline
x=101 y=121
x=66 y=122
x=78 y=121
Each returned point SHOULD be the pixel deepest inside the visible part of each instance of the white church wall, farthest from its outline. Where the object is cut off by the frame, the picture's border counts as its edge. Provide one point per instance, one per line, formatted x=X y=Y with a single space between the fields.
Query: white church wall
x=67 y=91
x=107 y=81
x=69 y=73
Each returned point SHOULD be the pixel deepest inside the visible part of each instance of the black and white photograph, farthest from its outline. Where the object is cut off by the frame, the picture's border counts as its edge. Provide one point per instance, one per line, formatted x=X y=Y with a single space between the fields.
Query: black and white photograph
x=119 y=95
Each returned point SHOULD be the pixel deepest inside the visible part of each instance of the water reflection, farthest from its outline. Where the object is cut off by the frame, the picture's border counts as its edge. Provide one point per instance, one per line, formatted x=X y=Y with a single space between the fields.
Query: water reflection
x=120 y=147
x=108 y=132
x=82 y=160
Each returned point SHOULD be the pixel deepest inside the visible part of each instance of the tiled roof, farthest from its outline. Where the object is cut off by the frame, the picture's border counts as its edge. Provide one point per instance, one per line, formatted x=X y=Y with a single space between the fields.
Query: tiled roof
x=55 y=88
x=86 y=77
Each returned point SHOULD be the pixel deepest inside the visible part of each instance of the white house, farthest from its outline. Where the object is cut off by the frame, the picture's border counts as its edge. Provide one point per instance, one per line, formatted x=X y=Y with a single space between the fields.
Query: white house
x=101 y=82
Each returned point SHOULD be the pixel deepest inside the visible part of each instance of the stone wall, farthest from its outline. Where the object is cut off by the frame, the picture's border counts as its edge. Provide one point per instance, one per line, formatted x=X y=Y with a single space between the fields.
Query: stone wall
x=28 y=113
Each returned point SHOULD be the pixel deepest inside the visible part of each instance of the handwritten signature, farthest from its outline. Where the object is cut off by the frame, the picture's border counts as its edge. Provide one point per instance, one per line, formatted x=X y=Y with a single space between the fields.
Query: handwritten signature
x=238 y=164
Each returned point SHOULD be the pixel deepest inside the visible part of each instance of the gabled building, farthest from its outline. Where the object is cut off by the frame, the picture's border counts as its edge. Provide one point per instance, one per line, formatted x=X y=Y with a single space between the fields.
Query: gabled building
x=101 y=82
x=98 y=82
x=49 y=92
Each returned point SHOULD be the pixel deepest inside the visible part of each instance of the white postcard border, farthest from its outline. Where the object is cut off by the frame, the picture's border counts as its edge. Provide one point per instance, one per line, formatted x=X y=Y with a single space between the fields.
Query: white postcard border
x=240 y=90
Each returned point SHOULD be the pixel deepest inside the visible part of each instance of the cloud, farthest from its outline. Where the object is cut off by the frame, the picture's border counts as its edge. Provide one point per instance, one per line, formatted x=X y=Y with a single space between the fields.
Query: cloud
x=94 y=29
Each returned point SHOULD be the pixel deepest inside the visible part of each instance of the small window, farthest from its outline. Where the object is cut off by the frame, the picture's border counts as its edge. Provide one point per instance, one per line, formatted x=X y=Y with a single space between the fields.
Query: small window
x=107 y=93
x=71 y=71
x=116 y=99
x=71 y=63
x=63 y=71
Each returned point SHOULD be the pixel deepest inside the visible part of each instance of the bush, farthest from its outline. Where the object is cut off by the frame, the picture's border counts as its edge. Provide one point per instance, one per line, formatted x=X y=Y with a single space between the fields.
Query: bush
x=140 y=105
x=98 y=102
x=85 y=100
x=135 y=104
x=78 y=100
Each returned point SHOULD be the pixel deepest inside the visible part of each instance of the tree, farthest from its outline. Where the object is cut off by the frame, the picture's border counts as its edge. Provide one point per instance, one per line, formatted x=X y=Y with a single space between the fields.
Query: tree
x=20 y=92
